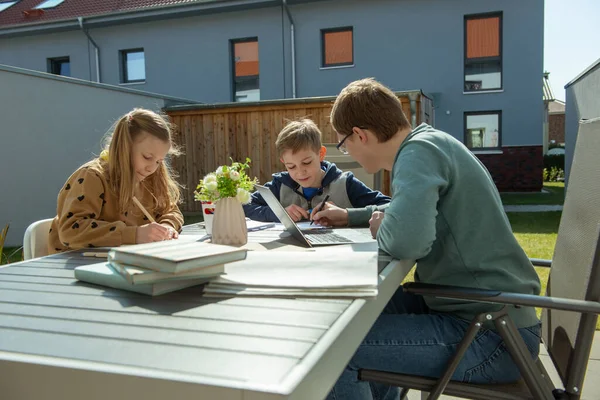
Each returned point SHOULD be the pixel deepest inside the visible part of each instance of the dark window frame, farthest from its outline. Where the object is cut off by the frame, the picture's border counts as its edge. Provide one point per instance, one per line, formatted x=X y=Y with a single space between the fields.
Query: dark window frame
x=54 y=62
x=486 y=112
x=482 y=60
x=323 y=49
x=232 y=43
x=123 y=56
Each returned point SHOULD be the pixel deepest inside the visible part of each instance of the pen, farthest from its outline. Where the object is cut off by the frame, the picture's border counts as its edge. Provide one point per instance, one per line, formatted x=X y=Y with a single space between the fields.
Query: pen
x=320 y=207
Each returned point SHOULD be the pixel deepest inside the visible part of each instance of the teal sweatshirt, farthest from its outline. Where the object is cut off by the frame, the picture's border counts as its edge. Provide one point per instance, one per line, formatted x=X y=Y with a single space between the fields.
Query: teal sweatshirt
x=447 y=215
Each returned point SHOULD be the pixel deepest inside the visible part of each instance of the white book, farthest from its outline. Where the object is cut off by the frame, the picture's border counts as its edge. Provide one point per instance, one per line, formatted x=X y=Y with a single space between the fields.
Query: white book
x=136 y=275
x=103 y=274
x=175 y=256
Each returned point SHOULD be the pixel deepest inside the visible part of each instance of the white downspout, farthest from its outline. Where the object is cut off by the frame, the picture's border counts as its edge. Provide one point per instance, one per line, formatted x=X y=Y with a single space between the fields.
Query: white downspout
x=96 y=48
x=293 y=42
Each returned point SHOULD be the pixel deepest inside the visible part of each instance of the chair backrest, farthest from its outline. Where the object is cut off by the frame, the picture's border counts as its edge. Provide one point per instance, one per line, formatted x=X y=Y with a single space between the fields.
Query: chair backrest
x=573 y=260
x=35 y=240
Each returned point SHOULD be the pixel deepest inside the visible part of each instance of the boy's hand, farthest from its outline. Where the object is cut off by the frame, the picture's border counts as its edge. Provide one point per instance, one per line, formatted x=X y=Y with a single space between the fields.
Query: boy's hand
x=374 y=222
x=152 y=232
x=296 y=212
x=330 y=215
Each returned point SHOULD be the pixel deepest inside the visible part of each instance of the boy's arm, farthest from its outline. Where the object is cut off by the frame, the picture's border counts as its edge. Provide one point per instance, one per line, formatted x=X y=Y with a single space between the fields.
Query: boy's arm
x=365 y=201
x=81 y=201
x=258 y=209
x=361 y=195
x=408 y=231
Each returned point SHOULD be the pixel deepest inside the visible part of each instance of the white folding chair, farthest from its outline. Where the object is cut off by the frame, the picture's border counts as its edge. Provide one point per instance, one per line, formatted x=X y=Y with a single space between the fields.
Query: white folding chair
x=35 y=240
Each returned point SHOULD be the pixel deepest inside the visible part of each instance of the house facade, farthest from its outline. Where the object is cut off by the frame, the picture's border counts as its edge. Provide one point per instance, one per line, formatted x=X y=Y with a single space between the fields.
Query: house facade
x=479 y=60
x=556 y=122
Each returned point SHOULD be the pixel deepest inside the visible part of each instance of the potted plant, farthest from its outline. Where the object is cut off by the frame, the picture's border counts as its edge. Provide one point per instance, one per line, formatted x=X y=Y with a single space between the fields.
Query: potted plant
x=228 y=188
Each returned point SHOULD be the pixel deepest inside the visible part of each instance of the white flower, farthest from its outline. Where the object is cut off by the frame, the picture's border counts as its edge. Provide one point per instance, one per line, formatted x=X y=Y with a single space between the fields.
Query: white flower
x=234 y=175
x=243 y=196
x=210 y=178
x=211 y=186
x=219 y=171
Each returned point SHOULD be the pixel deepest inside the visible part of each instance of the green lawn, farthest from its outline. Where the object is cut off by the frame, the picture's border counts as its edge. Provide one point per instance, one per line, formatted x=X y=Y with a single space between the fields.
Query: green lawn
x=555 y=196
x=11 y=254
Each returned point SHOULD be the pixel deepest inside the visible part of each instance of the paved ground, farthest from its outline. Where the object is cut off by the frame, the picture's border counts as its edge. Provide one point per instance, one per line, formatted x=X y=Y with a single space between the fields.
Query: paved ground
x=591 y=386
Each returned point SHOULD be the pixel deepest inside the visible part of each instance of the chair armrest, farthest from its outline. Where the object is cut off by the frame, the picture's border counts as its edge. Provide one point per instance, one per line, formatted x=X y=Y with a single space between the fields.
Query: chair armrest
x=540 y=262
x=498 y=297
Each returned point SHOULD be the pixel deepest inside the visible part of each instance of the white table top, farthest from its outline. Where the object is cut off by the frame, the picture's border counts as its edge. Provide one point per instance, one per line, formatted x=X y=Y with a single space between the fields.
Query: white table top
x=64 y=339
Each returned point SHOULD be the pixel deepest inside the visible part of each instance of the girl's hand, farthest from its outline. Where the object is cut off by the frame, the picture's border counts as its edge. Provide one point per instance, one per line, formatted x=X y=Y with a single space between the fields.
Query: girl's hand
x=172 y=232
x=296 y=212
x=152 y=232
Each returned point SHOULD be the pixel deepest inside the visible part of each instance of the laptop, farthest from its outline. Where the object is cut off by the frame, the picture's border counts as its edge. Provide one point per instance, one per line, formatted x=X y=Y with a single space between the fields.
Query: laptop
x=311 y=237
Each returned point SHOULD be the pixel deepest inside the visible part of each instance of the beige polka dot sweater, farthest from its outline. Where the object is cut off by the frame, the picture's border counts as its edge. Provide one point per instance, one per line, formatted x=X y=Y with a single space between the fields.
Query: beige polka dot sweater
x=88 y=214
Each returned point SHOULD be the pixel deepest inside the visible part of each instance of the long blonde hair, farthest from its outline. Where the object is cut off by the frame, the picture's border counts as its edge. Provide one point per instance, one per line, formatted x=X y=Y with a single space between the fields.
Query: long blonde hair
x=115 y=159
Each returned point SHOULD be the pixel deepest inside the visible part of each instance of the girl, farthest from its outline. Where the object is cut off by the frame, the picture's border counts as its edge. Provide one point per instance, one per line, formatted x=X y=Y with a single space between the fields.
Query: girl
x=95 y=206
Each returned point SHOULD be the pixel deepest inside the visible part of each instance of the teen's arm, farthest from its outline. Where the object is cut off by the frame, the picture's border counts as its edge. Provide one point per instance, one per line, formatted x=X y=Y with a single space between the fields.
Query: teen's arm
x=80 y=203
x=361 y=216
x=421 y=172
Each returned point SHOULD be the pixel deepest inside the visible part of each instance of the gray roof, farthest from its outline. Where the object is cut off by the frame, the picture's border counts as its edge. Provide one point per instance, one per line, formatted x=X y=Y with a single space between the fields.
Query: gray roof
x=584 y=72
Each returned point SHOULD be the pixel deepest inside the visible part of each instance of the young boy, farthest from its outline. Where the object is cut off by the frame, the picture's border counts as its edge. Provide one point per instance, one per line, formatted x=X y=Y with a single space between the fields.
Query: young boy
x=309 y=178
x=447 y=215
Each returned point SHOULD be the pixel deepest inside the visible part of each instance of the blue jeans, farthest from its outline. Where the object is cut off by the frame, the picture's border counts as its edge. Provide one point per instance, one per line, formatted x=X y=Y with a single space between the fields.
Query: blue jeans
x=408 y=338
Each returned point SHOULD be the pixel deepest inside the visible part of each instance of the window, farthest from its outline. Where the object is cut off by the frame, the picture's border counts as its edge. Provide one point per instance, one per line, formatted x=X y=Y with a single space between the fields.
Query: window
x=5 y=4
x=337 y=47
x=483 y=52
x=59 y=66
x=483 y=130
x=245 y=70
x=48 y=4
x=133 y=66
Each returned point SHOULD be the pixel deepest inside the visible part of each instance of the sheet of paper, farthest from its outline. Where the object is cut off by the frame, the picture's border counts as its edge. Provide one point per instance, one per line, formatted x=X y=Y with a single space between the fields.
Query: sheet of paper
x=303 y=270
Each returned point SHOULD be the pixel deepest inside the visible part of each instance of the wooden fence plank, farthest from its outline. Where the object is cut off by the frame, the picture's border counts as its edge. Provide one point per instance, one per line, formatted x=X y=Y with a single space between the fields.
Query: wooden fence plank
x=209 y=135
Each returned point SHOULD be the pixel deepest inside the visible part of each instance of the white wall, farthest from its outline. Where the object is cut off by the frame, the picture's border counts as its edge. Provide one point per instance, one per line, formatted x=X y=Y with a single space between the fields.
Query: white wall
x=582 y=102
x=48 y=127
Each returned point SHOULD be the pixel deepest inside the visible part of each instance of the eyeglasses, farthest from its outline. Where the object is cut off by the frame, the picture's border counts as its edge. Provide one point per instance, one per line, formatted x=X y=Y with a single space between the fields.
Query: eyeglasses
x=340 y=146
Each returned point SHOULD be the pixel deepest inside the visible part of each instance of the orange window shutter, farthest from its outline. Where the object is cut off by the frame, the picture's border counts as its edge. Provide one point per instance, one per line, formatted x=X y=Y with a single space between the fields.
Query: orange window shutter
x=483 y=37
x=338 y=47
x=246 y=58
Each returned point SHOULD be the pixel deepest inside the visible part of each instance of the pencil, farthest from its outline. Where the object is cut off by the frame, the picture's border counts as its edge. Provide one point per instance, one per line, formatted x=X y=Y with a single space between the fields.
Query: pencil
x=137 y=203
x=95 y=254
x=320 y=207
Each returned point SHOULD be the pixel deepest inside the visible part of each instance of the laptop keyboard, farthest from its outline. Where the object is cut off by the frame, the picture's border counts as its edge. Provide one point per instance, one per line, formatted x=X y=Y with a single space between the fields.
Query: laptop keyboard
x=322 y=237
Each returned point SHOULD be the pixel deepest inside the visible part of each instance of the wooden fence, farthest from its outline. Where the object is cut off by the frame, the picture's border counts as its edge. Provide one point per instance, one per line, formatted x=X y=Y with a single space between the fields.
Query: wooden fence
x=210 y=134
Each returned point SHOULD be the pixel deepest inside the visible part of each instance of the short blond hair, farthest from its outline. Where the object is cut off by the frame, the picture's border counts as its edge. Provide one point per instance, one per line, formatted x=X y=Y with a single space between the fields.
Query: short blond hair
x=299 y=135
x=368 y=104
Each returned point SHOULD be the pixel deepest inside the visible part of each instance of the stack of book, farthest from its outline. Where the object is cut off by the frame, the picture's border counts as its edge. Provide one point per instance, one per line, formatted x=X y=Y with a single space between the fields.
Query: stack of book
x=161 y=267
x=330 y=274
